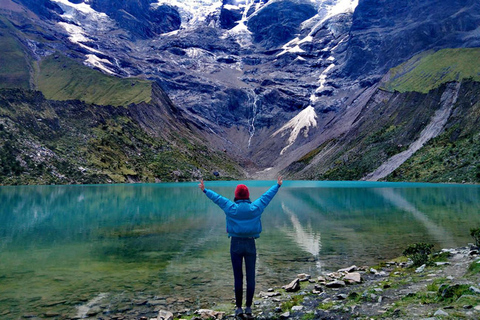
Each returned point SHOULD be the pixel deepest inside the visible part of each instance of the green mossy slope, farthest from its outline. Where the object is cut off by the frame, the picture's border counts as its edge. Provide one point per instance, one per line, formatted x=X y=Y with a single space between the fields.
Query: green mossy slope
x=428 y=71
x=453 y=156
x=62 y=78
x=14 y=66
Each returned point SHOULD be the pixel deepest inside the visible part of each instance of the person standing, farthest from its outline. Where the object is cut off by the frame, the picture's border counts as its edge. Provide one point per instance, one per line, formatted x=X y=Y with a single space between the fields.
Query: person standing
x=244 y=225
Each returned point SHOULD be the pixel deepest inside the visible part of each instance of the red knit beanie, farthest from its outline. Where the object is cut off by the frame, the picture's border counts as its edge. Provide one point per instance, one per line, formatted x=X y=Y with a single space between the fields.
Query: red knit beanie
x=241 y=192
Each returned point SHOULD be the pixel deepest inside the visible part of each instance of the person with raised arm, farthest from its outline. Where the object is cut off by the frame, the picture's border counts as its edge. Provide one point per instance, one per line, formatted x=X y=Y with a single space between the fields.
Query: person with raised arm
x=244 y=225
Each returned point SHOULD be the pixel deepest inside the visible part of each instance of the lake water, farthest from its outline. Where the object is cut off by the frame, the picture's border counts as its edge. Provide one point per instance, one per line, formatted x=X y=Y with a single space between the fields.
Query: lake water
x=62 y=246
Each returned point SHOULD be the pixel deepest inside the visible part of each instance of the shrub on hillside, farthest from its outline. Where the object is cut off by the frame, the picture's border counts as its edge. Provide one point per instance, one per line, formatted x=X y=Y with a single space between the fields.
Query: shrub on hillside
x=418 y=253
x=475 y=233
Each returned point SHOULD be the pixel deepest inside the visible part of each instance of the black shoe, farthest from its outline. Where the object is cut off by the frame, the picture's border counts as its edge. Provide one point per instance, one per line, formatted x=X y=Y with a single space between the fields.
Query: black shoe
x=239 y=313
x=248 y=313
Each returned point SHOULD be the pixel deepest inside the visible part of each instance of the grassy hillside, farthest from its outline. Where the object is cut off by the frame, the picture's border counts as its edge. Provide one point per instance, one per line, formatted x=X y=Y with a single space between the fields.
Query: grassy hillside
x=14 y=66
x=392 y=123
x=429 y=70
x=62 y=78
x=453 y=156
x=55 y=142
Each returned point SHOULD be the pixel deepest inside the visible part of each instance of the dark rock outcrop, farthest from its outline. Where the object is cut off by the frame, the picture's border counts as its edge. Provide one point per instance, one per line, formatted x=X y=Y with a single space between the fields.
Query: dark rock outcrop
x=278 y=22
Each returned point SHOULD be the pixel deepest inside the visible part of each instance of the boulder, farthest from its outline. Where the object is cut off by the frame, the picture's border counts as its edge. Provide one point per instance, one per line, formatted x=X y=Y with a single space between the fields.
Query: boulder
x=440 y=313
x=353 y=277
x=421 y=268
x=164 y=315
x=303 y=277
x=475 y=289
x=349 y=269
x=293 y=286
x=210 y=314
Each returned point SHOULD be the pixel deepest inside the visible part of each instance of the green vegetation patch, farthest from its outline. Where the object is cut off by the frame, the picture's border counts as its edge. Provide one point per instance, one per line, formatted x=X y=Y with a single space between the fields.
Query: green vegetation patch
x=14 y=68
x=474 y=267
x=62 y=78
x=425 y=72
x=454 y=155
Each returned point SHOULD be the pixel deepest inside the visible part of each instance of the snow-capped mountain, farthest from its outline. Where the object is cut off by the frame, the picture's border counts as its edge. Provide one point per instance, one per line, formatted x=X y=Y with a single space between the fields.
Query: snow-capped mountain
x=265 y=80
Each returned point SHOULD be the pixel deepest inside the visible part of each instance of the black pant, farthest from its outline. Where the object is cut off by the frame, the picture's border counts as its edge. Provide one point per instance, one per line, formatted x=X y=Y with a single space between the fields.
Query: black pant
x=243 y=248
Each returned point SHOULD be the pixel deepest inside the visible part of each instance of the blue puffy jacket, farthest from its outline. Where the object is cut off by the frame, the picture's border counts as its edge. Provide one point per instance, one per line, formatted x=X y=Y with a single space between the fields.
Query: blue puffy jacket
x=243 y=217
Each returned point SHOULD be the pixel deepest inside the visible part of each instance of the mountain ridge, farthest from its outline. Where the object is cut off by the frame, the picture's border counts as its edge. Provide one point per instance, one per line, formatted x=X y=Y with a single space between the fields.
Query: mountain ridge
x=244 y=87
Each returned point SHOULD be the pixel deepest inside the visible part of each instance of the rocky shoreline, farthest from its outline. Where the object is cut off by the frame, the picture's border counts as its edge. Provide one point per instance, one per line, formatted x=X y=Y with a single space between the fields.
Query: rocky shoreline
x=447 y=288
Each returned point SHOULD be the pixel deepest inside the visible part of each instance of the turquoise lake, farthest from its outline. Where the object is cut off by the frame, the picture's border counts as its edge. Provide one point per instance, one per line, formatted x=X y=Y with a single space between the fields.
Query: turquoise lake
x=62 y=246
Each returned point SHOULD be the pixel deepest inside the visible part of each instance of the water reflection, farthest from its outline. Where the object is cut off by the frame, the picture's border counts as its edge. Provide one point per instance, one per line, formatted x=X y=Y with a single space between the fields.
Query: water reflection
x=306 y=238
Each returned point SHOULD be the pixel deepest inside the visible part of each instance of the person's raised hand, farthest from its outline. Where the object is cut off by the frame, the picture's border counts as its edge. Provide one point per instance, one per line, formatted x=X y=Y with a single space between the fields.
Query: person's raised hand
x=279 y=180
x=201 y=185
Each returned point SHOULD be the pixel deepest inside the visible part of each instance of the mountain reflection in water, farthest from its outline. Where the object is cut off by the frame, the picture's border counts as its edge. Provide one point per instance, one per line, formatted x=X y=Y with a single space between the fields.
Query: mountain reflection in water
x=78 y=243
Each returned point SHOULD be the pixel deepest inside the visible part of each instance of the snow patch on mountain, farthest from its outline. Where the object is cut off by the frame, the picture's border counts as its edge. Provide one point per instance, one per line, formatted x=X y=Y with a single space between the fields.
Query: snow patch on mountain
x=81 y=21
x=301 y=122
x=71 y=10
x=326 y=10
x=193 y=12
x=94 y=61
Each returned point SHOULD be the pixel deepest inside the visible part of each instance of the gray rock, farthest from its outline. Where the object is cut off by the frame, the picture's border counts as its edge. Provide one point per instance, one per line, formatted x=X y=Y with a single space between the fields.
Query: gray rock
x=440 y=312
x=349 y=269
x=421 y=268
x=342 y=296
x=209 y=314
x=297 y=308
x=475 y=289
x=303 y=277
x=293 y=286
x=164 y=315
x=353 y=277
x=285 y=315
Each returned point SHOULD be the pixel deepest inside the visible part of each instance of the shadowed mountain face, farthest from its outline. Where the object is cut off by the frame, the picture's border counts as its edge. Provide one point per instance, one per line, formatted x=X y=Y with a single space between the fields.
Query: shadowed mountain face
x=266 y=82
x=385 y=34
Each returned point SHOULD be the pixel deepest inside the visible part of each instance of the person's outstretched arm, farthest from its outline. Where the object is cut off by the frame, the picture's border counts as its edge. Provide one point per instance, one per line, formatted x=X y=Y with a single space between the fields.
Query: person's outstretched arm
x=265 y=199
x=219 y=200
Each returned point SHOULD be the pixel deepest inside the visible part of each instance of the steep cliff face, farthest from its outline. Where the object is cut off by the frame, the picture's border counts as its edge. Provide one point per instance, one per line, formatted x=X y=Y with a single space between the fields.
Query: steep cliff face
x=387 y=33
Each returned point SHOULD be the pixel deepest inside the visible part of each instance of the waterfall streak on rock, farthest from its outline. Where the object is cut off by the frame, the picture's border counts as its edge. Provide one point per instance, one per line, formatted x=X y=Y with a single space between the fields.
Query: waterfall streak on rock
x=253 y=100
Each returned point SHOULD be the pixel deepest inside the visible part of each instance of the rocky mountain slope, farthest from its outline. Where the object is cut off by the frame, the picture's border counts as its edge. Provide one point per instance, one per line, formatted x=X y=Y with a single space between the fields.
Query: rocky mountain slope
x=271 y=84
x=65 y=142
